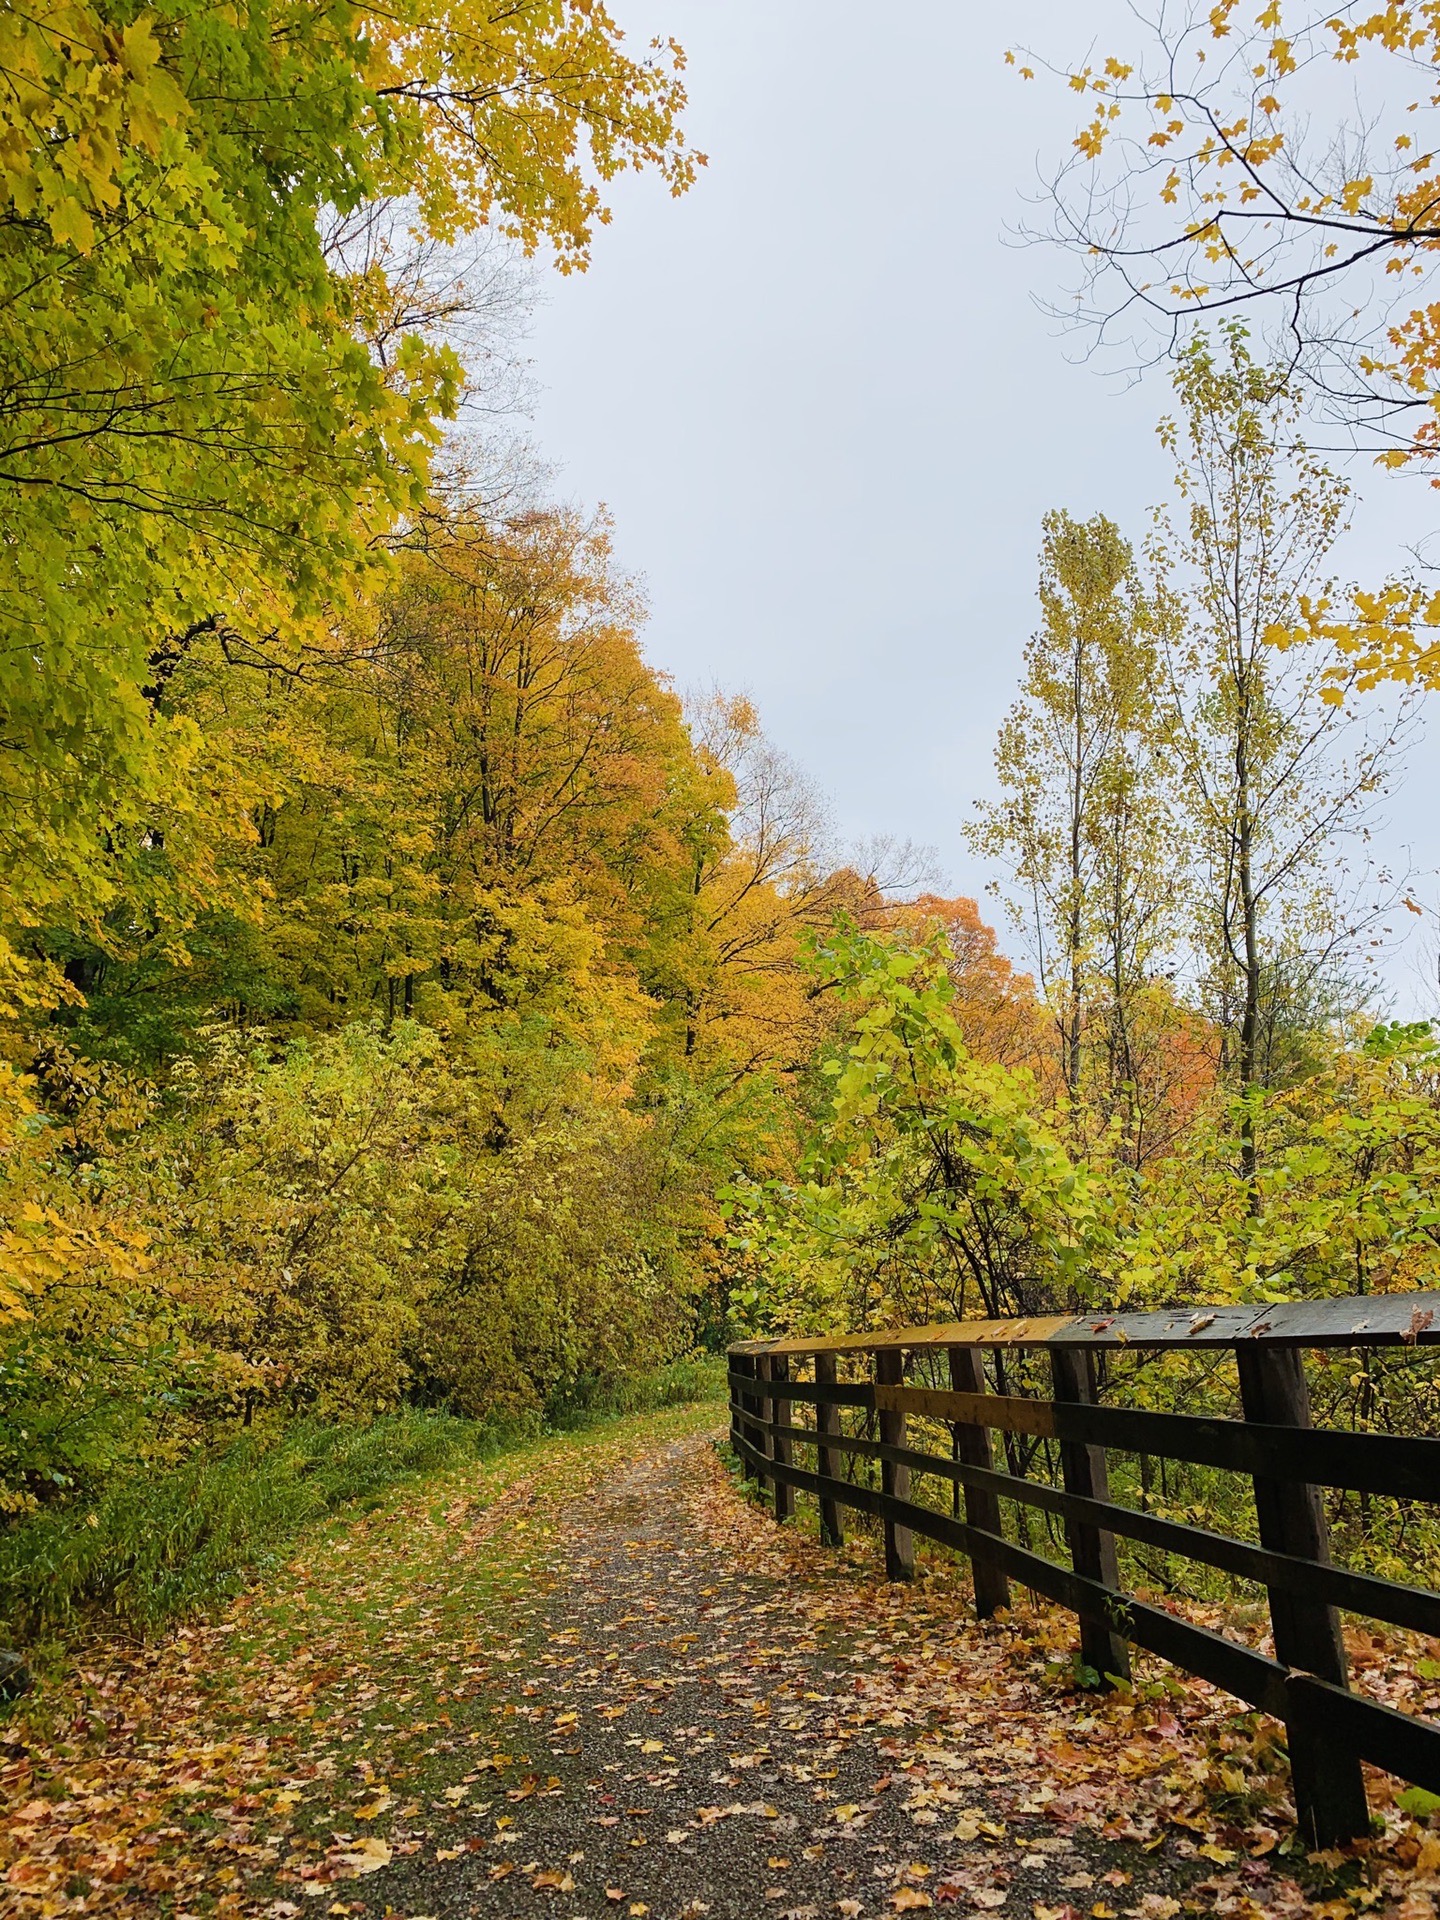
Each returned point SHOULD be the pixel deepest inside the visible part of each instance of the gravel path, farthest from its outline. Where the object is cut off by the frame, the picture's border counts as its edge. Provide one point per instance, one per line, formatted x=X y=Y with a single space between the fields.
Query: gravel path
x=710 y=1734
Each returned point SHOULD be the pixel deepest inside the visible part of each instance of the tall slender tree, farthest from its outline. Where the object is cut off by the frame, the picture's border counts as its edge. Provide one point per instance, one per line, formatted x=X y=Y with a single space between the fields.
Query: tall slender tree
x=1080 y=821
x=1273 y=773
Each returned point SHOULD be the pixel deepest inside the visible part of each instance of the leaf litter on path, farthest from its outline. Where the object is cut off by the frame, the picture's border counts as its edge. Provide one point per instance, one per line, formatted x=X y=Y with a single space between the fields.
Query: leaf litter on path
x=594 y=1679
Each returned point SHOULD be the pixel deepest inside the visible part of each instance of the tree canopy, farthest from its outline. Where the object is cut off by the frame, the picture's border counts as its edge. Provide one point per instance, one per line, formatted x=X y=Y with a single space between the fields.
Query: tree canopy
x=215 y=405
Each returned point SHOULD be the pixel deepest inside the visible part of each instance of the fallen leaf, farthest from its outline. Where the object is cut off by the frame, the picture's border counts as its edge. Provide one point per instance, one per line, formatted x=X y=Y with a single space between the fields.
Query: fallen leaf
x=368 y=1857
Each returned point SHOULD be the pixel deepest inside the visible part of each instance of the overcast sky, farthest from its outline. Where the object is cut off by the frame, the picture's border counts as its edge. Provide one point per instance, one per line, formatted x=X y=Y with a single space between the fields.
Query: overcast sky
x=824 y=405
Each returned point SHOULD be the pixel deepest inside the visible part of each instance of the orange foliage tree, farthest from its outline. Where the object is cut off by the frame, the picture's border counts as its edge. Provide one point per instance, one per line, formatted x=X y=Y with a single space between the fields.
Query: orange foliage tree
x=995 y=1006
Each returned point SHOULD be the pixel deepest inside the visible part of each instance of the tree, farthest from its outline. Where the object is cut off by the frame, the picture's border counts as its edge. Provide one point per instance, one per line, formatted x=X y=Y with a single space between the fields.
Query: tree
x=205 y=408
x=475 y=792
x=1271 y=773
x=1082 y=821
x=935 y=1186
x=752 y=896
x=996 y=1007
x=1213 y=174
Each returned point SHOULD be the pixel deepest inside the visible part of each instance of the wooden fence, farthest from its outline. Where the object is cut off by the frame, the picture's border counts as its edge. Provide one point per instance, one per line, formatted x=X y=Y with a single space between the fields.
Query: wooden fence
x=1330 y=1729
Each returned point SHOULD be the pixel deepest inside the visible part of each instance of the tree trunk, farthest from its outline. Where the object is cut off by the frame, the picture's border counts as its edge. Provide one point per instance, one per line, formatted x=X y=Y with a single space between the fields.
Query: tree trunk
x=1250 y=931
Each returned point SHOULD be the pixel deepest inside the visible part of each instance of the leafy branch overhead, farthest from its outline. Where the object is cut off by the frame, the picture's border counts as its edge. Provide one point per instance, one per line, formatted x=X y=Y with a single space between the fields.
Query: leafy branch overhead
x=192 y=416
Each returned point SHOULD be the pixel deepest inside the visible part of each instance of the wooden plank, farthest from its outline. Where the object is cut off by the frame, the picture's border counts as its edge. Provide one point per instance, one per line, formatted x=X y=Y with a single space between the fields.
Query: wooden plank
x=1250 y=1676
x=1092 y=1550
x=1361 y=1593
x=1329 y=1786
x=1383 y=1463
x=894 y=1478
x=848 y=1393
x=1400 y=1743
x=966 y=1333
x=970 y=1441
x=1007 y=1411
x=779 y=1435
x=1358 y=1320
x=827 y=1424
x=1210 y=1656
x=1378 y=1319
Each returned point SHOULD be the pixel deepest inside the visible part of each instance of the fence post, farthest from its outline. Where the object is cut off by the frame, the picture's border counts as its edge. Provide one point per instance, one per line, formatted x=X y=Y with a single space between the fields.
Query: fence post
x=1328 y=1783
x=783 y=1449
x=894 y=1480
x=827 y=1421
x=982 y=1509
x=763 y=1412
x=1092 y=1552
x=735 y=1363
x=748 y=1366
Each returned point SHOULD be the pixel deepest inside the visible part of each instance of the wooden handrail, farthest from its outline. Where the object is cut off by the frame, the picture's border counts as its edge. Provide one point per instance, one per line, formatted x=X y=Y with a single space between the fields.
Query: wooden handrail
x=1369 y=1320
x=1330 y=1729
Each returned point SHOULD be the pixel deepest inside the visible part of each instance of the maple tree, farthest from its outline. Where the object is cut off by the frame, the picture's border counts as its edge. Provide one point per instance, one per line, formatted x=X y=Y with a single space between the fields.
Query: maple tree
x=500 y=979
x=206 y=389
x=936 y=1185
x=1214 y=173
x=996 y=1005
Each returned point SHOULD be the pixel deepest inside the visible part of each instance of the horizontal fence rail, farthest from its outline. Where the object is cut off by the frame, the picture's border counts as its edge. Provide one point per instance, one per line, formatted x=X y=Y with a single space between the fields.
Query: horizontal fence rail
x=1330 y=1729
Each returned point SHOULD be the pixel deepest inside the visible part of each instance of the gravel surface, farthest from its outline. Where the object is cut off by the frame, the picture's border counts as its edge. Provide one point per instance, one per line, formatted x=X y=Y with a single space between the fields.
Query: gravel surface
x=703 y=1739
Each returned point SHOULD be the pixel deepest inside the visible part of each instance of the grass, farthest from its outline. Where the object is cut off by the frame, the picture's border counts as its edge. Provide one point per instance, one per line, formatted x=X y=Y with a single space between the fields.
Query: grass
x=160 y=1545
x=683 y=1383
